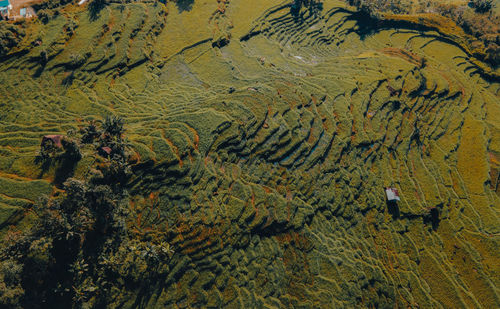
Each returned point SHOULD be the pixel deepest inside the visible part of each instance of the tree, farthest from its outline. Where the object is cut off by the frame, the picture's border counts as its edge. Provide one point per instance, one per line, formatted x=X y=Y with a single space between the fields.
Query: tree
x=113 y=126
x=74 y=230
x=10 y=37
x=482 y=6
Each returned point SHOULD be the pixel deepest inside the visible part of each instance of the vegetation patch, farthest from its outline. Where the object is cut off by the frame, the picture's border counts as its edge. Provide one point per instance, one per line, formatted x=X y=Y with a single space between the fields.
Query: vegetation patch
x=70 y=255
x=477 y=18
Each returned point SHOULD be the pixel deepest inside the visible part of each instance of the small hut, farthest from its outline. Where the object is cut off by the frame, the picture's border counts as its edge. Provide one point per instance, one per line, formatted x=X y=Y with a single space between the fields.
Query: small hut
x=392 y=194
x=56 y=140
x=21 y=8
x=105 y=151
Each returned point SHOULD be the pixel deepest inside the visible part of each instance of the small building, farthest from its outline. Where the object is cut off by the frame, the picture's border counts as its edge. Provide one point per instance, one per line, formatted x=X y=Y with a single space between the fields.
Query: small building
x=20 y=8
x=56 y=140
x=392 y=194
x=4 y=8
x=105 y=151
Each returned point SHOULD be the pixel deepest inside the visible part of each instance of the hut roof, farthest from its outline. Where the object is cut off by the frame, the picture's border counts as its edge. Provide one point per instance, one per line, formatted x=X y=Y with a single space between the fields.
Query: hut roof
x=56 y=139
x=392 y=194
x=106 y=150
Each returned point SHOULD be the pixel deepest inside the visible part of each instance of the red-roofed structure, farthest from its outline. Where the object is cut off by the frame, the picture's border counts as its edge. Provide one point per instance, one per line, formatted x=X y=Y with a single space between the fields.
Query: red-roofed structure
x=55 y=139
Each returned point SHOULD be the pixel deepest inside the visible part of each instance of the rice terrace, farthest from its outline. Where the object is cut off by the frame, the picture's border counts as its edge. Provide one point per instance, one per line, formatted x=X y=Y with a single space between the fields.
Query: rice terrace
x=249 y=154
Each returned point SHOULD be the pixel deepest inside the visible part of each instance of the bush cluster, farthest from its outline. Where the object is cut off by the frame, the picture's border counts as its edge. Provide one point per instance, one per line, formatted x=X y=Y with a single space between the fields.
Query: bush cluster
x=107 y=138
x=66 y=258
x=376 y=7
x=482 y=6
x=10 y=36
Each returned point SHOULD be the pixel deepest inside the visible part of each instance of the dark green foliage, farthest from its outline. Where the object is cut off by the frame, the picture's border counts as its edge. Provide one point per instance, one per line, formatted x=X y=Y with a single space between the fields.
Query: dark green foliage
x=43 y=58
x=482 y=6
x=106 y=135
x=64 y=156
x=113 y=126
x=375 y=7
x=57 y=261
x=312 y=5
x=44 y=16
x=95 y=7
x=48 y=151
x=90 y=133
x=77 y=61
x=67 y=217
x=10 y=36
x=299 y=3
x=108 y=141
x=116 y=170
x=183 y=5
x=10 y=283
x=50 y=4
x=71 y=149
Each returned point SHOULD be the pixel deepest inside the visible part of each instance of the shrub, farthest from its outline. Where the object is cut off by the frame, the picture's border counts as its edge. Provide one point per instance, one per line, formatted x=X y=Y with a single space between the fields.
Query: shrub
x=71 y=149
x=44 y=16
x=482 y=6
x=10 y=283
x=48 y=151
x=76 y=61
x=50 y=4
x=90 y=133
x=95 y=7
x=44 y=57
x=10 y=37
x=78 y=245
x=113 y=126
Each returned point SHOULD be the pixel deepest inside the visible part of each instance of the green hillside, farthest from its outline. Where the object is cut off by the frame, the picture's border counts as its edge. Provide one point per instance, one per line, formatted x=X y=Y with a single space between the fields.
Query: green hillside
x=258 y=138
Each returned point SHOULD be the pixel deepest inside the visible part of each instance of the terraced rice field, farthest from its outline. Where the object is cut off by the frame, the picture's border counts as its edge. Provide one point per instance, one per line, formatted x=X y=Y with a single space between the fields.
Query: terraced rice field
x=266 y=139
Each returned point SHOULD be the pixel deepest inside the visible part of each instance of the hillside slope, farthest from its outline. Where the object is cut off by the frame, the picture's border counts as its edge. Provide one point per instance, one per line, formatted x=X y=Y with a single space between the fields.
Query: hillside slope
x=264 y=136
